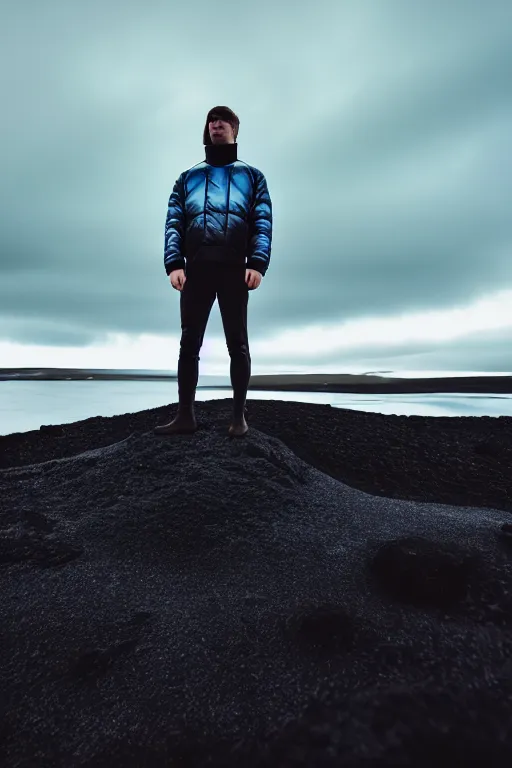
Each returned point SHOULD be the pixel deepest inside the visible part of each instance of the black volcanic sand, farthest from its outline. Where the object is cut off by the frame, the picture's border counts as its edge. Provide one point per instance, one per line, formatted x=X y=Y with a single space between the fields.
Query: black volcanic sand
x=333 y=589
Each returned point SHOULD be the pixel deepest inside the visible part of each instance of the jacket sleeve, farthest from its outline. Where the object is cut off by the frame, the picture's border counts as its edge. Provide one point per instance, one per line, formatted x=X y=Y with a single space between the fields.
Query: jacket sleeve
x=175 y=229
x=260 y=232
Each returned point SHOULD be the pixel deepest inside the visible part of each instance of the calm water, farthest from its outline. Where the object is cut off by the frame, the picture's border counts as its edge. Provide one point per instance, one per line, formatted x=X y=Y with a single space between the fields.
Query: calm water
x=25 y=405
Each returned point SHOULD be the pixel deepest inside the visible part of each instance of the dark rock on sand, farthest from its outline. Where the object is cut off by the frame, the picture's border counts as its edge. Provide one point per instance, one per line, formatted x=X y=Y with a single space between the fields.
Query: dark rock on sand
x=332 y=589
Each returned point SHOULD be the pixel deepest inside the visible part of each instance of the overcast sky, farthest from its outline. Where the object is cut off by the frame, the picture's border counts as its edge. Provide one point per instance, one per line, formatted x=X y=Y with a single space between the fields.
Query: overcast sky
x=384 y=130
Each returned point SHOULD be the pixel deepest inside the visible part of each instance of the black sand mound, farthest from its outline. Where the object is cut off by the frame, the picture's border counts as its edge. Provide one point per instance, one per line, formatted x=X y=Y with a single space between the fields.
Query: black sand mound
x=333 y=589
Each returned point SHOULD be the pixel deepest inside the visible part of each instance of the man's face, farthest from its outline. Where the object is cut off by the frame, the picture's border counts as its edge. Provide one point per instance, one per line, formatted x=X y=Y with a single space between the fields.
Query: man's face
x=221 y=132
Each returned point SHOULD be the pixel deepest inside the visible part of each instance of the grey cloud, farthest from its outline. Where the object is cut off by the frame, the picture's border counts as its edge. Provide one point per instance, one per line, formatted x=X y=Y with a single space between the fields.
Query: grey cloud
x=394 y=188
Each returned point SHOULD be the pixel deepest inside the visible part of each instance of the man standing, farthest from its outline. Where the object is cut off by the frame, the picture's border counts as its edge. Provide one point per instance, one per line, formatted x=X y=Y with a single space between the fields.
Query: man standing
x=218 y=237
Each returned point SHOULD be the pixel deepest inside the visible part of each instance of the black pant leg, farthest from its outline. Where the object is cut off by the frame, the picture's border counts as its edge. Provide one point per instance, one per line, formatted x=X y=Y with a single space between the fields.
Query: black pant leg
x=233 y=296
x=196 y=300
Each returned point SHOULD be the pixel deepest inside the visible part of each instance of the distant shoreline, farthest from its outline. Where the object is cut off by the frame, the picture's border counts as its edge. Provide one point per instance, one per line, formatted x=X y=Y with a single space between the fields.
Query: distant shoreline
x=80 y=374
x=314 y=382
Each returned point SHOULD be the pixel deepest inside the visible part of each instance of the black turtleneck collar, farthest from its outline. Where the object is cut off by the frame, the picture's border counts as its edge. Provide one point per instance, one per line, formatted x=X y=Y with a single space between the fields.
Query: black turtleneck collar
x=221 y=154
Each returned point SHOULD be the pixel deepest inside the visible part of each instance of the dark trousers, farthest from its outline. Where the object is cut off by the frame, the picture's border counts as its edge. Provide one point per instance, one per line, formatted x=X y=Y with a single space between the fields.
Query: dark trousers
x=205 y=282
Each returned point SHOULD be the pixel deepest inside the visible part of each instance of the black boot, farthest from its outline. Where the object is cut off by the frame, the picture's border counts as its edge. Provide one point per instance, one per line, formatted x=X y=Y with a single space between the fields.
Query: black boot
x=238 y=427
x=240 y=377
x=185 y=422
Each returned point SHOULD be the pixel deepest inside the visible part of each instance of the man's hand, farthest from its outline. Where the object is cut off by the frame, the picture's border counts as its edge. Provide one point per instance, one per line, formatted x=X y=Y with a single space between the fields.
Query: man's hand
x=178 y=279
x=252 y=278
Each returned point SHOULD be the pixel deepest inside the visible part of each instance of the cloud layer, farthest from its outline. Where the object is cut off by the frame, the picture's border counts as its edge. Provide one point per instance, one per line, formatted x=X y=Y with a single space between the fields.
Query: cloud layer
x=384 y=132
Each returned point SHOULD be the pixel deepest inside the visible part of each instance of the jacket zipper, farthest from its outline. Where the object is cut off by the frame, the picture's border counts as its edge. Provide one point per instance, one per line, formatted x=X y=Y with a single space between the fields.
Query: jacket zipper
x=227 y=205
x=205 y=202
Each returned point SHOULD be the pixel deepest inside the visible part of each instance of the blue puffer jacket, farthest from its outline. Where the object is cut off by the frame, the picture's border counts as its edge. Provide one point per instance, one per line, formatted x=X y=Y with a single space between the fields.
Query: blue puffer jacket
x=219 y=213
